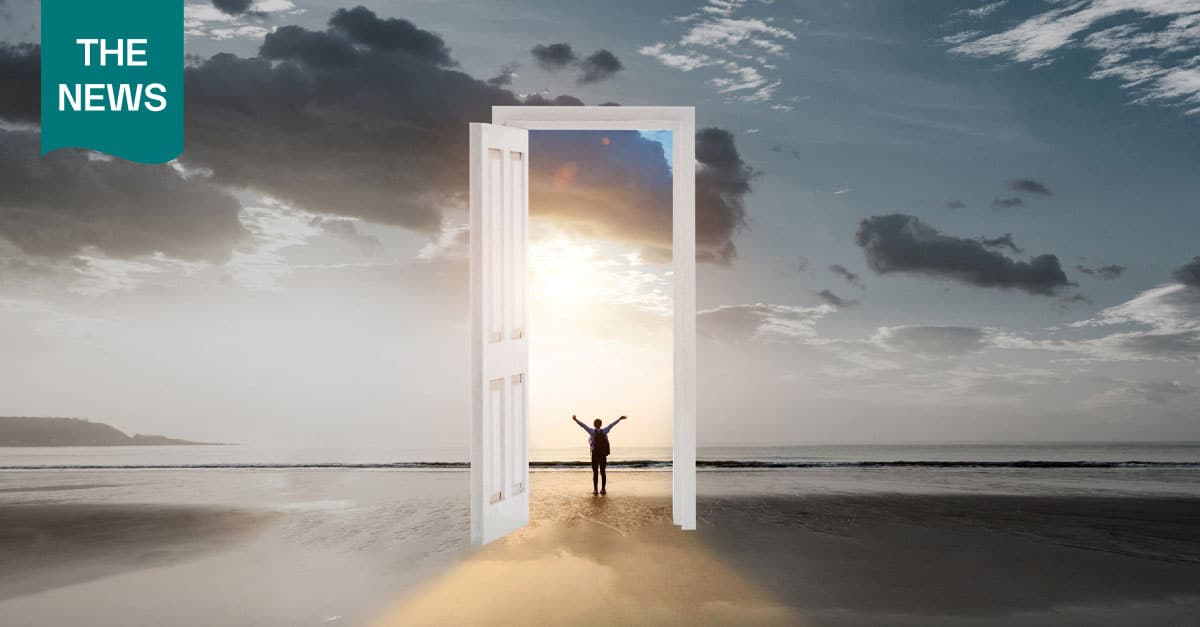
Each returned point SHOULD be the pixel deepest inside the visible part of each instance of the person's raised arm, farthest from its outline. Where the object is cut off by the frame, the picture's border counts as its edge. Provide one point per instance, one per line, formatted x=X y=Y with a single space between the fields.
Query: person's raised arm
x=581 y=425
x=614 y=423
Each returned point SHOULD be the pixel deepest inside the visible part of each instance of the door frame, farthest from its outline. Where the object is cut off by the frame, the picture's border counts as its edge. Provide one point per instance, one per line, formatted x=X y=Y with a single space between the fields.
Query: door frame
x=681 y=121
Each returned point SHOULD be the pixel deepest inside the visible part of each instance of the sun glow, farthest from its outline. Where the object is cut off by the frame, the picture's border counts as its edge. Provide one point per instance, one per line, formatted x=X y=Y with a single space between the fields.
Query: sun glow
x=570 y=272
x=600 y=333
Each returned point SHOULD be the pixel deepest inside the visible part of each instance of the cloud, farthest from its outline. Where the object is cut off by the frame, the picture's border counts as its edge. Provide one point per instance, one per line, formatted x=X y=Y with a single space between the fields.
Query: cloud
x=1004 y=241
x=1108 y=273
x=363 y=27
x=1030 y=186
x=505 y=77
x=1008 y=203
x=1150 y=48
x=230 y=19
x=683 y=61
x=604 y=183
x=554 y=57
x=1170 y=307
x=1165 y=325
x=1159 y=392
x=738 y=49
x=233 y=7
x=346 y=229
x=722 y=184
x=453 y=245
x=62 y=203
x=1189 y=273
x=843 y=272
x=761 y=322
x=601 y=65
x=982 y=11
x=618 y=184
x=368 y=119
x=20 y=83
x=899 y=243
x=932 y=340
x=833 y=299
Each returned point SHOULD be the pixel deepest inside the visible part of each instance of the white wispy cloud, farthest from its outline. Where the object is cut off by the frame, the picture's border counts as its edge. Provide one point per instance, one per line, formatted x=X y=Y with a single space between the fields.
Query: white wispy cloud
x=202 y=20
x=1152 y=47
x=981 y=11
x=274 y=227
x=684 y=61
x=762 y=322
x=737 y=48
x=96 y=274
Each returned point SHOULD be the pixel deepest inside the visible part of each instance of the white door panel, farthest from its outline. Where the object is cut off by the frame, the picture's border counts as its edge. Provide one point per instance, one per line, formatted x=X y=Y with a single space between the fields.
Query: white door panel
x=499 y=334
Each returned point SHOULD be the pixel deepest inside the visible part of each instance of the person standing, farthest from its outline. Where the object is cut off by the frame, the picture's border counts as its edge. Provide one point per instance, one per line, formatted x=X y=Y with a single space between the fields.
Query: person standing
x=598 y=442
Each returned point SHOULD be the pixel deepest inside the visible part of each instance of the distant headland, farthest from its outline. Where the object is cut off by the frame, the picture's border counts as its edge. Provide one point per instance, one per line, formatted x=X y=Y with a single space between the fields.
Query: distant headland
x=27 y=431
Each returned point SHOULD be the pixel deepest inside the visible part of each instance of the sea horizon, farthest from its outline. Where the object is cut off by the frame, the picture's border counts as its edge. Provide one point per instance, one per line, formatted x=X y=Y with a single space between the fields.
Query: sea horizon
x=957 y=455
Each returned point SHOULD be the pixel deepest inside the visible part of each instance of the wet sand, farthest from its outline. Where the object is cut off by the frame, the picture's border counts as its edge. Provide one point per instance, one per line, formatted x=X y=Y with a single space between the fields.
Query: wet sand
x=48 y=546
x=388 y=548
x=830 y=559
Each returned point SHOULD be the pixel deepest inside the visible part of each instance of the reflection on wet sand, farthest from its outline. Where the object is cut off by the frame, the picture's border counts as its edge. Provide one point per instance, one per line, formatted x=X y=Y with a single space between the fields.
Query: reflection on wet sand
x=588 y=560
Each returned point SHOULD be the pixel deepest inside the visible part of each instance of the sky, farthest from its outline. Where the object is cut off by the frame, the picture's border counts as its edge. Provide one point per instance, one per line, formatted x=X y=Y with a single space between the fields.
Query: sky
x=918 y=221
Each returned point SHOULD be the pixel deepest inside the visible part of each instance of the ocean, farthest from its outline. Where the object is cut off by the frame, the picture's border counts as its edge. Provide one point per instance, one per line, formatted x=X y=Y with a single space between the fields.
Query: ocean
x=932 y=456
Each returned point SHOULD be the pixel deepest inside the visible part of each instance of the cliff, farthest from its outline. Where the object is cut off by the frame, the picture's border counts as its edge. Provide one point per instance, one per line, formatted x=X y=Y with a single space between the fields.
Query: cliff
x=25 y=431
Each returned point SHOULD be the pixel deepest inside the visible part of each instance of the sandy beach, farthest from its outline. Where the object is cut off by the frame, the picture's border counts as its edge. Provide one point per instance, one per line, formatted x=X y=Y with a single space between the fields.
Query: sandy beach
x=788 y=548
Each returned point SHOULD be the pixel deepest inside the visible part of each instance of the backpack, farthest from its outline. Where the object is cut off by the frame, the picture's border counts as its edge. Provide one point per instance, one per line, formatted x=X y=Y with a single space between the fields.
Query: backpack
x=600 y=443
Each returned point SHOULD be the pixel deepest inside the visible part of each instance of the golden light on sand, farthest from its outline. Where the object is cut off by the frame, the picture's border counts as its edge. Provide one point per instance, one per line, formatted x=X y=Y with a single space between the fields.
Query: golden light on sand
x=585 y=561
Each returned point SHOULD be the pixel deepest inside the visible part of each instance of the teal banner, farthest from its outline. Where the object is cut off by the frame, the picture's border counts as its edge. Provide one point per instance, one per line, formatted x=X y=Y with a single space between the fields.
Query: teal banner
x=112 y=77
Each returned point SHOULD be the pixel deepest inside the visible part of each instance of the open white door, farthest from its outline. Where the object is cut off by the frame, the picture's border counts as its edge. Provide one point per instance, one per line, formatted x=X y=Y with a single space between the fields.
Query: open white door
x=499 y=334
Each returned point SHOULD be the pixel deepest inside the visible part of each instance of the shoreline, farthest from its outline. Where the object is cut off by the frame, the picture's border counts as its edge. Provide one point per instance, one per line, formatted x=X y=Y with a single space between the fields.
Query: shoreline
x=640 y=464
x=286 y=547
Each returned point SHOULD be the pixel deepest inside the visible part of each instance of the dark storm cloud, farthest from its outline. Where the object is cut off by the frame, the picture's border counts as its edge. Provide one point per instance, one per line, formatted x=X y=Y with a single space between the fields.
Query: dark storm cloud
x=902 y=243
x=1108 y=273
x=956 y=204
x=932 y=340
x=601 y=65
x=833 y=299
x=845 y=273
x=1008 y=203
x=368 y=119
x=1029 y=186
x=58 y=204
x=617 y=184
x=363 y=27
x=364 y=119
x=722 y=183
x=20 y=83
x=1188 y=273
x=1004 y=241
x=554 y=57
x=604 y=183
x=233 y=7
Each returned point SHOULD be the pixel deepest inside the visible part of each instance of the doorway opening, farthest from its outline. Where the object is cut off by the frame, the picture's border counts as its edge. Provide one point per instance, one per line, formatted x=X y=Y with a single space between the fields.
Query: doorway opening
x=501 y=254
x=600 y=293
